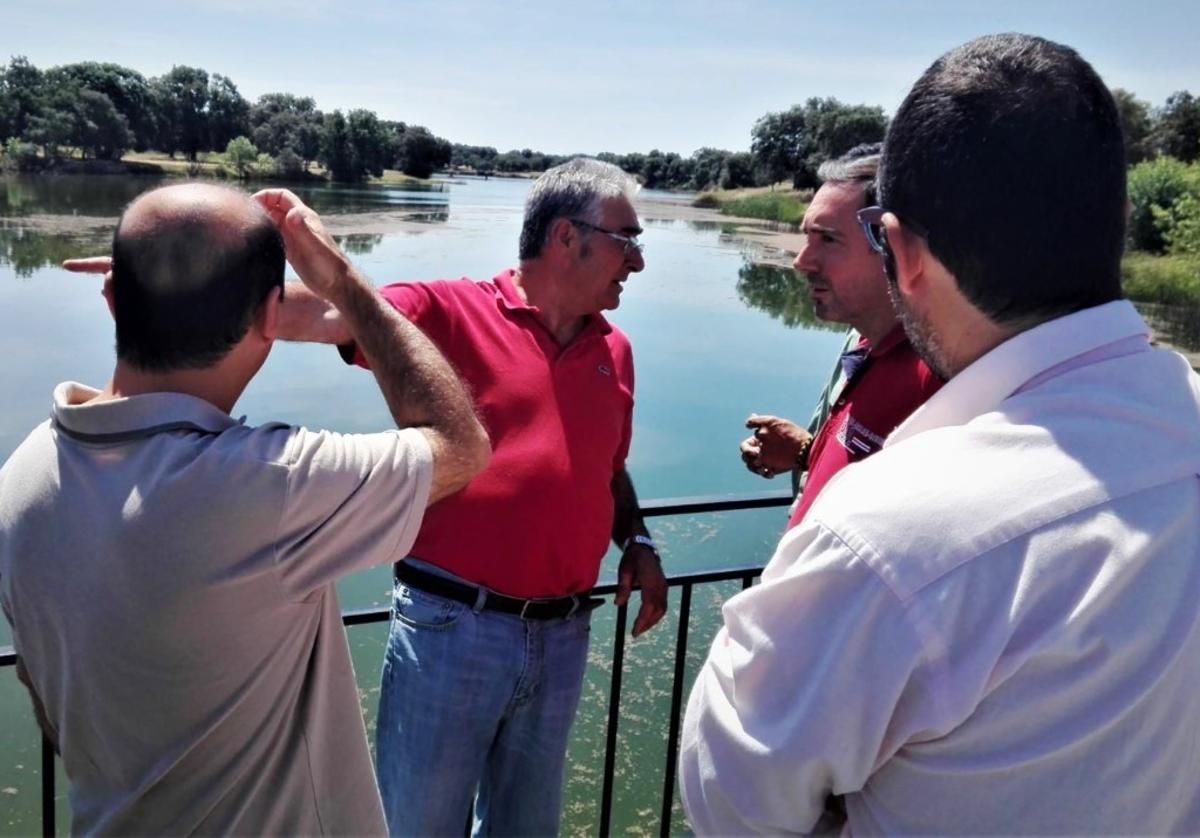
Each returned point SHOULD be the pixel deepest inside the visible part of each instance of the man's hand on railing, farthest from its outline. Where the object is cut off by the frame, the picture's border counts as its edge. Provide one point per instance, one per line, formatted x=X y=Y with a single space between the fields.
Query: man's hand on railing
x=640 y=566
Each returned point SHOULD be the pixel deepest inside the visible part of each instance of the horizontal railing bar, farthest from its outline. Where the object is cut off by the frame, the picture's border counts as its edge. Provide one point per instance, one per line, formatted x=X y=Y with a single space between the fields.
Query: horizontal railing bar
x=650 y=509
x=713 y=503
x=365 y=616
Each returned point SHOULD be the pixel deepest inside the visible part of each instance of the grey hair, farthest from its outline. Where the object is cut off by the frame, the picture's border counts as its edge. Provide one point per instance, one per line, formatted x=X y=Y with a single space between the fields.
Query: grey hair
x=573 y=190
x=858 y=165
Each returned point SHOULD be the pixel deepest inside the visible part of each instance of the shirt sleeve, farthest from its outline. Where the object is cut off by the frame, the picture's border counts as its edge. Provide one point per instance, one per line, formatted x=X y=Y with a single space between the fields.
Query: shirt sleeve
x=352 y=501
x=804 y=693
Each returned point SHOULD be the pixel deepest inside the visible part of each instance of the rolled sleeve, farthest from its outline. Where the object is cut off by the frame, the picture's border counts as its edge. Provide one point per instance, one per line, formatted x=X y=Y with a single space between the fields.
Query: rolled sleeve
x=353 y=501
x=803 y=694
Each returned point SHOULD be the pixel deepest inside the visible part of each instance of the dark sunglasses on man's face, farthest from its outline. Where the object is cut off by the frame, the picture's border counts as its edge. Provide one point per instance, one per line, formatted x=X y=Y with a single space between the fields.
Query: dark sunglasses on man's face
x=871 y=220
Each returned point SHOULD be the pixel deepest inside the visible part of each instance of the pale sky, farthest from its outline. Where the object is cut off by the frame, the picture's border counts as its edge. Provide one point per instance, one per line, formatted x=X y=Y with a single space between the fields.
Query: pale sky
x=603 y=75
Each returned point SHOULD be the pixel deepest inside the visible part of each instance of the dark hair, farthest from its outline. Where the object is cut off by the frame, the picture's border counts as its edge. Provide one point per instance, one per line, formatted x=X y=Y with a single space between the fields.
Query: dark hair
x=858 y=165
x=1008 y=150
x=186 y=287
x=571 y=190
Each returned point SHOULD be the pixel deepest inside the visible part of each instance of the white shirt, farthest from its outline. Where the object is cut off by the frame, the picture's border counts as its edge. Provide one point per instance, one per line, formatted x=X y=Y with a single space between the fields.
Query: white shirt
x=168 y=573
x=992 y=625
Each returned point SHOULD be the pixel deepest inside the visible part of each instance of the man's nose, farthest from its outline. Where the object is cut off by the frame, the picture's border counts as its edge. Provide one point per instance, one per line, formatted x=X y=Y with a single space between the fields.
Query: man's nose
x=635 y=260
x=805 y=260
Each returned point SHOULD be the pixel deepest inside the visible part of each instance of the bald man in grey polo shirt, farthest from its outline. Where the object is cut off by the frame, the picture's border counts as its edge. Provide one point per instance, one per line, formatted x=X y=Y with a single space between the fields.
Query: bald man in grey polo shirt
x=168 y=571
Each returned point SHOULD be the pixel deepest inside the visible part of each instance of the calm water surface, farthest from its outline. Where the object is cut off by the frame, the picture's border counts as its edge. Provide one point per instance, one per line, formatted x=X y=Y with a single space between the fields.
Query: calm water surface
x=714 y=338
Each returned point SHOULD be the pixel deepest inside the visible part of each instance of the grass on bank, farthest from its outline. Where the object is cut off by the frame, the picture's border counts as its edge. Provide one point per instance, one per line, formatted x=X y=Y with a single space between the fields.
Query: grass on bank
x=781 y=204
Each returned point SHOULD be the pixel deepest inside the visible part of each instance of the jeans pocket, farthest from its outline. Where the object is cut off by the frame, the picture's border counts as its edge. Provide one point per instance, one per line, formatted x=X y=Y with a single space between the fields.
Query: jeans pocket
x=421 y=610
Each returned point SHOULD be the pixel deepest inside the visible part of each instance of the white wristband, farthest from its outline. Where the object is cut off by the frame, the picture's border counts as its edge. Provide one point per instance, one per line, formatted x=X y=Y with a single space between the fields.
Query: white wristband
x=639 y=539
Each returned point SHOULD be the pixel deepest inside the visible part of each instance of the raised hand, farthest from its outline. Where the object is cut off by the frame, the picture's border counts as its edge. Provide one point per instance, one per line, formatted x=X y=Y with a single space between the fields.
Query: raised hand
x=311 y=251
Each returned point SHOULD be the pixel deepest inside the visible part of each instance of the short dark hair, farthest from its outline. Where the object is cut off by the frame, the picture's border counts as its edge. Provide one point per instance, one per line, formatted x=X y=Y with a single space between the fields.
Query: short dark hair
x=186 y=288
x=571 y=190
x=1008 y=150
x=858 y=165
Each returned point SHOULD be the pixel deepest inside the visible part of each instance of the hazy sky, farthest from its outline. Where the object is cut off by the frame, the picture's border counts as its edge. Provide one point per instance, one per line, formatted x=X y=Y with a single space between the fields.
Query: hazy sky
x=593 y=76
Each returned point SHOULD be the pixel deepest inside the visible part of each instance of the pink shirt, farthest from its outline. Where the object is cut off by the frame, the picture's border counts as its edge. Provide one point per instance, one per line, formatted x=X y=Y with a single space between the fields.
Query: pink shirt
x=537 y=521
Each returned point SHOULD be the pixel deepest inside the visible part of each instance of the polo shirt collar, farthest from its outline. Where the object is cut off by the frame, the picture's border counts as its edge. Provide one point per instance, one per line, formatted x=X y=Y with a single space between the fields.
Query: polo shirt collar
x=1000 y=373
x=889 y=341
x=132 y=417
x=511 y=299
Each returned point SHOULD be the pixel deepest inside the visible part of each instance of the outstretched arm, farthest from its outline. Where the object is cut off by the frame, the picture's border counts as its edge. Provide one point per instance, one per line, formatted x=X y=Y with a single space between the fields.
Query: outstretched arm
x=304 y=316
x=418 y=384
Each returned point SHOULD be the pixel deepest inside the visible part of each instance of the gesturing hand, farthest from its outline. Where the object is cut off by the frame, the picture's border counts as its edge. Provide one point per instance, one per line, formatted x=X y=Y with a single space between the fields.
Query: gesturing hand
x=774 y=445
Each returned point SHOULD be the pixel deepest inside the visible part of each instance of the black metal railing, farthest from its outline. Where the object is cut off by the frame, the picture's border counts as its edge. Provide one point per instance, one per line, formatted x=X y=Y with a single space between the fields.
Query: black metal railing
x=686 y=581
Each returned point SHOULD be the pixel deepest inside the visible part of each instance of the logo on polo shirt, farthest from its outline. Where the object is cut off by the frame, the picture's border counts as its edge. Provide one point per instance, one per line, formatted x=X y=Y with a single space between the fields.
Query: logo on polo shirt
x=604 y=370
x=857 y=438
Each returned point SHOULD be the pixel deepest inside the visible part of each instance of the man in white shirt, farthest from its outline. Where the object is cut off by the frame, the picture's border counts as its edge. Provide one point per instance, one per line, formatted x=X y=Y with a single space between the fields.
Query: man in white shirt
x=993 y=625
x=168 y=571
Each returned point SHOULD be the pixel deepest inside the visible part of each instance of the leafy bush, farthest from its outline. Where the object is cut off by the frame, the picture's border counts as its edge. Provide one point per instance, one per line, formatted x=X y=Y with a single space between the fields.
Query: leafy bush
x=1157 y=183
x=706 y=200
x=241 y=155
x=1181 y=226
x=17 y=156
x=288 y=164
x=1173 y=280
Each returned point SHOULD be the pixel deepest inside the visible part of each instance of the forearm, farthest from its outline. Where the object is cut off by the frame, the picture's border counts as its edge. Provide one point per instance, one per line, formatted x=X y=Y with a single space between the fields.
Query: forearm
x=306 y=317
x=418 y=384
x=627 y=515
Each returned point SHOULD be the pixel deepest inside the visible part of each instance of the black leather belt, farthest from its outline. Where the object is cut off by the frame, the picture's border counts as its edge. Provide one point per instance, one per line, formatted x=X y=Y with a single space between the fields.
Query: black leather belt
x=526 y=609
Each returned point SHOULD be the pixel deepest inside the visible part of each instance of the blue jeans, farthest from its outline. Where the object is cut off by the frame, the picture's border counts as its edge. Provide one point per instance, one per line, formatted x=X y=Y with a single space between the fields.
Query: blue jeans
x=475 y=705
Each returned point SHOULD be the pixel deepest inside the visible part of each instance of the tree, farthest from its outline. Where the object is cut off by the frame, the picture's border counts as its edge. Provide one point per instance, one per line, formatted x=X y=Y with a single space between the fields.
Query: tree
x=797 y=141
x=99 y=129
x=371 y=142
x=128 y=91
x=738 y=171
x=280 y=121
x=336 y=153
x=781 y=142
x=707 y=164
x=1135 y=126
x=423 y=153
x=1178 y=127
x=20 y=96
x=183 y=97
x=227 y=112
x=241 y=154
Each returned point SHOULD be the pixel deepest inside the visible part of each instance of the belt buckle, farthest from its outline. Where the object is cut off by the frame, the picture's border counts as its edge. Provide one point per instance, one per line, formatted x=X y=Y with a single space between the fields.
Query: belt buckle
x=574 y=606
x=528 y=602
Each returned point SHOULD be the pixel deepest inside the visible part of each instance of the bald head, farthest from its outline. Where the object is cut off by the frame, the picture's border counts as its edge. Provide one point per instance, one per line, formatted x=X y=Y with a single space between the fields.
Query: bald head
x=192 y=263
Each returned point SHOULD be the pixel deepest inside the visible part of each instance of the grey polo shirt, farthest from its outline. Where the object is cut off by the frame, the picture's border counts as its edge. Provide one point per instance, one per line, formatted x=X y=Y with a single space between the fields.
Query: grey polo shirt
x=168 y=573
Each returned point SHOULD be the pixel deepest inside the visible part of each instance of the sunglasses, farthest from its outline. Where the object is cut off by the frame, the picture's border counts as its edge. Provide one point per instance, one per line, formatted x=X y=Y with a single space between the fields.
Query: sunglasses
x=630 y=243
x=871 y=220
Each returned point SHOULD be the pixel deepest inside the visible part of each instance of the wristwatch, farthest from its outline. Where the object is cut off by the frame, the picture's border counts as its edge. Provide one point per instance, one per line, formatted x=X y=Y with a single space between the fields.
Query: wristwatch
x=641 y=539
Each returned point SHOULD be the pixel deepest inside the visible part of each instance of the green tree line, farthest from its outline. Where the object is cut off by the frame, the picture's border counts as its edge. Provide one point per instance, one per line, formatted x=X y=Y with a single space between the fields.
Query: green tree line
x=103 y=110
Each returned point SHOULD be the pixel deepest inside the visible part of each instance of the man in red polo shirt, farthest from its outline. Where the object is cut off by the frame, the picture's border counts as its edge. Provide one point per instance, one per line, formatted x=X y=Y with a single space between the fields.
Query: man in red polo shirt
x=489 y=633
x=881 y=380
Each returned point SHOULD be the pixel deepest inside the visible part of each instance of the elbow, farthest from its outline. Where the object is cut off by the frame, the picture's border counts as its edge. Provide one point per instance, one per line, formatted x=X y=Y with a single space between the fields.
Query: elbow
x=480 y=449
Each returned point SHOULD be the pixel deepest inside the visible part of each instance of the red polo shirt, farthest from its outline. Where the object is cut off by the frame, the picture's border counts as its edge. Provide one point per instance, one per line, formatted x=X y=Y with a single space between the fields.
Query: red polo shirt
x=889 y=385
x=537 y=521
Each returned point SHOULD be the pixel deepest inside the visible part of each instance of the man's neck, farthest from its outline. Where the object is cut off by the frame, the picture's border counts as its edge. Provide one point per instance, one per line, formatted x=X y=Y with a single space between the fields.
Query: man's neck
x=543 y=292
x=207 y=384
x=876 y=330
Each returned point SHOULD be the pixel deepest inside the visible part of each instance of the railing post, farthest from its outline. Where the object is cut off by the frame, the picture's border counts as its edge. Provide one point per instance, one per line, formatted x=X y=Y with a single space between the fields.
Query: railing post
x=614 y=713
x=48 y=778
x=681 y=642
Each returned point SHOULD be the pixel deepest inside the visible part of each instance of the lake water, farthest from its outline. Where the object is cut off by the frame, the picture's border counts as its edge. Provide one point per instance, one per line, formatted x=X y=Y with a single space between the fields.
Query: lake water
x=715 y=336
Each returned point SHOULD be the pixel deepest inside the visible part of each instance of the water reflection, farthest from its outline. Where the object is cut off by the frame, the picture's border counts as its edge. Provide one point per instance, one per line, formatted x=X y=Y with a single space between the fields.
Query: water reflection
x=45 y=219
x=781 y=293
x=358 y=244
x=28 y=251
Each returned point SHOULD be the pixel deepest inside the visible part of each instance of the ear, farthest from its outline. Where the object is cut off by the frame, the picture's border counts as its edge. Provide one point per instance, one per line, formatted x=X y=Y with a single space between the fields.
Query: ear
x=266 y=320
x=910 y=253
x=106 y=291
x=563 y=233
